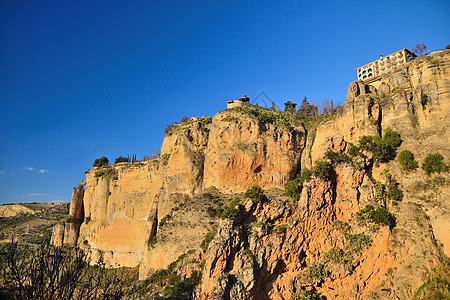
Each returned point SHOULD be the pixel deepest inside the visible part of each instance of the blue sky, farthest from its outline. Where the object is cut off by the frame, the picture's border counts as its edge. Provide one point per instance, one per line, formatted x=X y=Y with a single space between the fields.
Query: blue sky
x=83 y=79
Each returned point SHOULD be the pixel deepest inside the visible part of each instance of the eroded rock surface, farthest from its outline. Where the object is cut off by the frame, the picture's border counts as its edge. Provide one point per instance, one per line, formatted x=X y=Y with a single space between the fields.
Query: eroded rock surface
x=149 y=213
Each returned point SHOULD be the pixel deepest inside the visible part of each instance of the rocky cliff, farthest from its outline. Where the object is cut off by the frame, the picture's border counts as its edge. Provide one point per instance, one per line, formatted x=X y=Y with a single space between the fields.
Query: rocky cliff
x=149 y=213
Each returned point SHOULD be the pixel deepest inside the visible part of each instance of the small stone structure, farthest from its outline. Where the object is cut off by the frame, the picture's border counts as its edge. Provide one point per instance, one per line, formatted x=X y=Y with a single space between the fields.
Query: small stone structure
x=243 y=101
x=370 y=72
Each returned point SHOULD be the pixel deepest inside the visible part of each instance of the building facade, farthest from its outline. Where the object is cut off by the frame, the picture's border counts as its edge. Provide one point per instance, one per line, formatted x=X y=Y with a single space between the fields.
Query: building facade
x=369 y=72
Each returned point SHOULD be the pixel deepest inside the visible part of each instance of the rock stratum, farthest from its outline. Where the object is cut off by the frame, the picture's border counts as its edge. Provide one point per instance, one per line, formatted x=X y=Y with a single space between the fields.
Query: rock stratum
x=149 y=213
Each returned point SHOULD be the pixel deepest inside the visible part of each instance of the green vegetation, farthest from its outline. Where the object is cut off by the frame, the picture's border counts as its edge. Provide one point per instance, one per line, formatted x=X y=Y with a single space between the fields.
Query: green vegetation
x=368 y=216
x=100 y=162
x=321 y=169
x=358 y=242
x=109 y=173
x=164 y=220
x=431 y=184
x=317 y=272
x=394 y=193
x=229 y=119
x=87 y=219
x=281 y=229
x=50 y=272
x=232 y=210
x=120 y=159
x=336 y=158
x=424 y=100
x=354 y=151
x=438 y=284
x=294 y=188
x=407 y=161
x=265 y=116
x=165 y=159
x=306 y=295
x=171 y=284
x=434 y=163
x=208 y=238
x=70 y=219
x=382 y=149
x=256 y=194
x=185 y=121
x=434 y=61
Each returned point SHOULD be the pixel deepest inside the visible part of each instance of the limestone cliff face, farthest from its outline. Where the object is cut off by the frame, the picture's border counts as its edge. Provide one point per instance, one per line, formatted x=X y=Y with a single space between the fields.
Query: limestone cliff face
x=412 y=99
x=270 y=252
x=134 y=198
x=149 y=213
x=243 y=152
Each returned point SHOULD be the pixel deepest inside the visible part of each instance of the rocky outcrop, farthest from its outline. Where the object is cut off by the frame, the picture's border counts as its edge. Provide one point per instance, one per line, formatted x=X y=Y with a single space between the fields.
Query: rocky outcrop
x=270 y=258
x=412 y=99
x=242 y=152
x=149 y=213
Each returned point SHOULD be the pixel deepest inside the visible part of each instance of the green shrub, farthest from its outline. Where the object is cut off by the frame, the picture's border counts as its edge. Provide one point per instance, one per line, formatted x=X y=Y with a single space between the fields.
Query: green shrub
x=395 y=193
x=306 y=295
x=321 y=169
x=424 y=100
x=358 y=242
x=407 y=161
x=164 y=220
x=165 y=159
x=354 y=151
x=205 y=120
x=392 y=139
x=120 y=159
x=336 y=255
x=281 y=229
x=294 y=188
x=382 y=149
x=99 y=174
x=317 y=272
x=231 y=211
x=256 y=194
x=208 y=238
x=265 y=116
x=100 y=162
x=336 y=158
x=87 y=219
x=434 y=61
x=378 y=216
x=434 y=163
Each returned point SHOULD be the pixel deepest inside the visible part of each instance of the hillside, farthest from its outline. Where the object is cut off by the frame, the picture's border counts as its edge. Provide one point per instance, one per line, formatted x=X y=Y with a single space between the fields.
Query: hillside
x=30 y=223
x=189 y=205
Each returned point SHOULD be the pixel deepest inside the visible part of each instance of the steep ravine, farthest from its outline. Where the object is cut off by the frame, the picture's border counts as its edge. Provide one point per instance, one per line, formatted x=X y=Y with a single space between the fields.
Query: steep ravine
x=149 y=213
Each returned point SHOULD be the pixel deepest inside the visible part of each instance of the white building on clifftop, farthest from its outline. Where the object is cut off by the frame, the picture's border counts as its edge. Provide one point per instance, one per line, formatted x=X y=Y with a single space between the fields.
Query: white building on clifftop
x=370 y=72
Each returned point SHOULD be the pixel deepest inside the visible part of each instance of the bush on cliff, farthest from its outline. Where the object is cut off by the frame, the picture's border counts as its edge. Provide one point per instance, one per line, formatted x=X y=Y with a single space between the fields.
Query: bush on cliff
x=100 y=162
x=368 y=216
x=294 y=188
x=336 y=158
x=407 y=161
x=321 y=169
x=434 y=163
x=382 y=149
x=256 y=194
x=121 y=159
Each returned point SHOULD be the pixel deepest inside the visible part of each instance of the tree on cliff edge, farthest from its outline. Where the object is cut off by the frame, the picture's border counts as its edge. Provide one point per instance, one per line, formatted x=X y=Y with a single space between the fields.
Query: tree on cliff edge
x=102 y=161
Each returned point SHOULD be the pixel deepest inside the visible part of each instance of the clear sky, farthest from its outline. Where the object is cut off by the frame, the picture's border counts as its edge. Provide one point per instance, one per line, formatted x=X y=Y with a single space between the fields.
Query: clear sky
x=83 y=79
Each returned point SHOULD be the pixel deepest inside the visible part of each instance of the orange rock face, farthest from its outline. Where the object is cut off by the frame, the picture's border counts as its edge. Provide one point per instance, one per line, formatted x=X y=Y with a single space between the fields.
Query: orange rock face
x=149 y=213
